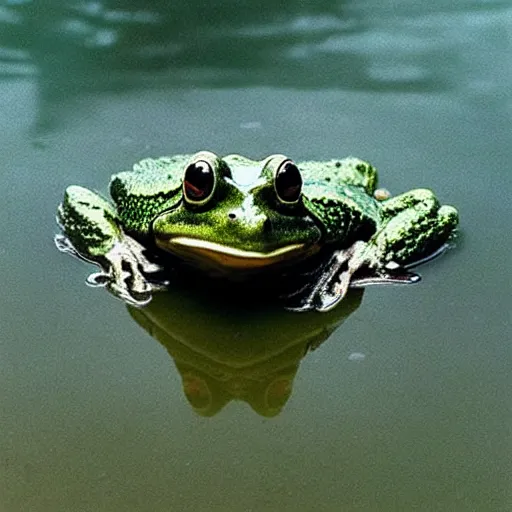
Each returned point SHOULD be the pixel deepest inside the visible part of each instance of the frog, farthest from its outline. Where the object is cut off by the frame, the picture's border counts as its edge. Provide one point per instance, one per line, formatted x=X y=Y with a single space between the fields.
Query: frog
x=242 y=219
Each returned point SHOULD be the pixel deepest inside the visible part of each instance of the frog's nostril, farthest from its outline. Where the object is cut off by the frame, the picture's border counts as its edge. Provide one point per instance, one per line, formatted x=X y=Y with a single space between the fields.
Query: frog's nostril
x=232 y=216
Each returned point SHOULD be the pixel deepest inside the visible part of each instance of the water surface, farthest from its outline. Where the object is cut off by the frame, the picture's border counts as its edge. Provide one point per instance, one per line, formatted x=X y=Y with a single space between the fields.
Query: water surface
x=407 y=405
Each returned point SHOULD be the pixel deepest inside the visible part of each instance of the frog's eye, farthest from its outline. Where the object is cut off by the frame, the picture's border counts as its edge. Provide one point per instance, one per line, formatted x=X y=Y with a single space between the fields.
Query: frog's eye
x=288 y=182
x=198 y=182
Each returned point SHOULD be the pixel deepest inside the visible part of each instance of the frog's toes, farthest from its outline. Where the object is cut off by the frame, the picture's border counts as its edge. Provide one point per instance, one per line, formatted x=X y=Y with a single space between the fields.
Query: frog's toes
x=351 y=260
x=335 y=279
x=123 y=268
x=64 y=245
x=125 y=265
x=98 y=279
x=130 y=295
x=129 y=286
x=137 y=251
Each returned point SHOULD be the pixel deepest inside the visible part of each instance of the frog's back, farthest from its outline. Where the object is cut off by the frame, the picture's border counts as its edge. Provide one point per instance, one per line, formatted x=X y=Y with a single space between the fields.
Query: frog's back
x=340 y=194
x=152 y=186
x=346 y=171
x=150 y=176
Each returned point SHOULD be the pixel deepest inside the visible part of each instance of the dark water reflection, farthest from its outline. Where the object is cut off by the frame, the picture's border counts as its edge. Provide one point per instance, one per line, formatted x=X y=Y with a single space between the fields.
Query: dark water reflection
x=226 y=351
x=406 y=406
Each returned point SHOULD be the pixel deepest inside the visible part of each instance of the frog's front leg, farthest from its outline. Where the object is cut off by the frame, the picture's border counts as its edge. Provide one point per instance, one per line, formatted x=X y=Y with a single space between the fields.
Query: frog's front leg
x=414 y=226
x=92 y=232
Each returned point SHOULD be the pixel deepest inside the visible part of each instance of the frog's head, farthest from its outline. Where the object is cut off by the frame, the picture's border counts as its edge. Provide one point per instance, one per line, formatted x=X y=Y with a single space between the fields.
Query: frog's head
x=238 y=214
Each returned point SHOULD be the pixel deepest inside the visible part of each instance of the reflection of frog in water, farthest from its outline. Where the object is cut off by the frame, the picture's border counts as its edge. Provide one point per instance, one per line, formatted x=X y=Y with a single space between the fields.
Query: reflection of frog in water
x=240 y=352
x=239 y=218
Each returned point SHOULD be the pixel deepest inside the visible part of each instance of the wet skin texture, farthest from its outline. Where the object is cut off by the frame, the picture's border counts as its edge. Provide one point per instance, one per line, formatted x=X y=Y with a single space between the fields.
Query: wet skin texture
x=237 y=217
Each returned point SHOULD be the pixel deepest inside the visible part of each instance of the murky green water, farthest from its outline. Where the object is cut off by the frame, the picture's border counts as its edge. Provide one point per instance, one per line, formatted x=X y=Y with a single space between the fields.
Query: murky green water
x=406 y=406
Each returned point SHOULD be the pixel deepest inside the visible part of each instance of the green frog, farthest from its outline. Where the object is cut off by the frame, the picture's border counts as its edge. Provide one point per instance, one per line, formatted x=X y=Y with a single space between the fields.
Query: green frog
x=246 y=219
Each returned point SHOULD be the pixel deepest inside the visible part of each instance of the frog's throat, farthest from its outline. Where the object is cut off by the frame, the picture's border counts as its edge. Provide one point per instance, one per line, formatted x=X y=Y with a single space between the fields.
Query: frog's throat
x=230 y=258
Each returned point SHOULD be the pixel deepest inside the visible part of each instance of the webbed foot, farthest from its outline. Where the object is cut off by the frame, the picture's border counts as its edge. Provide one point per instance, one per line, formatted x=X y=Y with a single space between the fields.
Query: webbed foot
x=123 y=270
x=332 y=286
x=339 y=274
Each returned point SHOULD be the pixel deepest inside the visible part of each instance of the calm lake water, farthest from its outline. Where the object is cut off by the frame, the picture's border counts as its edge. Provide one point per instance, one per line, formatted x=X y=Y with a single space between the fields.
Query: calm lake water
x=406 y=406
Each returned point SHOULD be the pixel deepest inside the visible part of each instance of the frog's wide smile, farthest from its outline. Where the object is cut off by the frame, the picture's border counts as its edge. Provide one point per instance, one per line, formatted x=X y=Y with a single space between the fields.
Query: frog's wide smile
x=228 y=257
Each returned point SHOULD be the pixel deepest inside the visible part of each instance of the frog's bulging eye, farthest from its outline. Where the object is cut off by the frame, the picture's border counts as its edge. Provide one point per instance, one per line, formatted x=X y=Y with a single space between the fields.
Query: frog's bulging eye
x=288 y=182
x=198 y=182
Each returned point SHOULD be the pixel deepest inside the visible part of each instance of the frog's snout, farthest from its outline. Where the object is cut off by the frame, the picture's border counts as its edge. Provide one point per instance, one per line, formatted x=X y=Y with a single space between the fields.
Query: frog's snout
x=249 y=219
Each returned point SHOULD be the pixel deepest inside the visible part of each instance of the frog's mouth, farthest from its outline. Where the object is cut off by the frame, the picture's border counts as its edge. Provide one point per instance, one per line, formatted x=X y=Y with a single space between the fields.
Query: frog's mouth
x=228 y=258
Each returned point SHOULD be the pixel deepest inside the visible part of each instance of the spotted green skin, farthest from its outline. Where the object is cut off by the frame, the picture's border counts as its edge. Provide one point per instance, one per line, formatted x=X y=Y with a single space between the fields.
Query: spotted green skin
x=337 y=208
